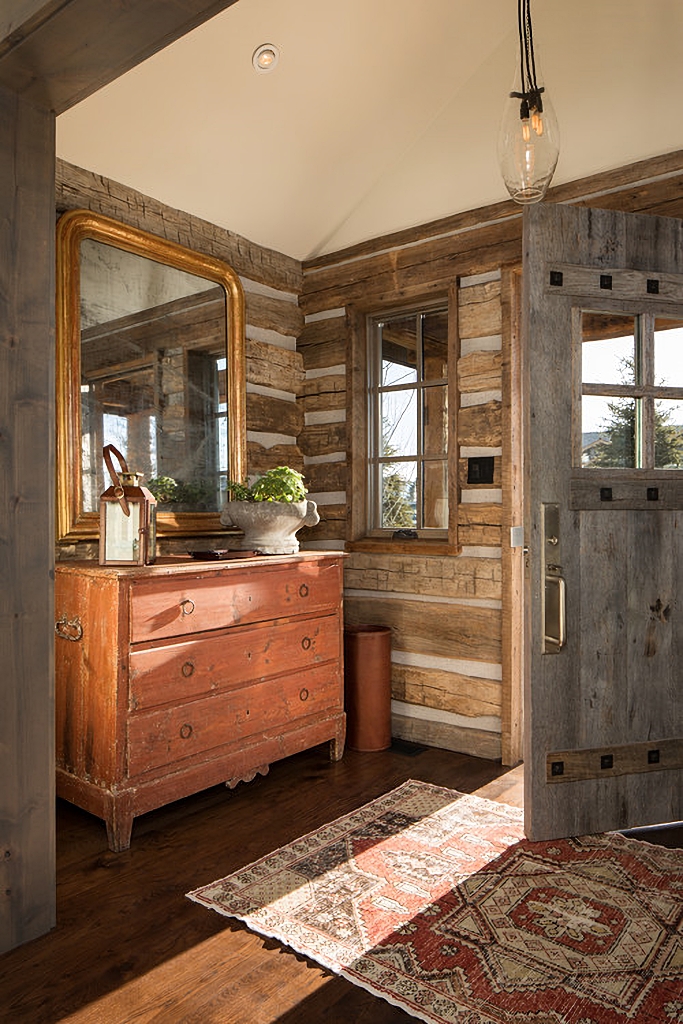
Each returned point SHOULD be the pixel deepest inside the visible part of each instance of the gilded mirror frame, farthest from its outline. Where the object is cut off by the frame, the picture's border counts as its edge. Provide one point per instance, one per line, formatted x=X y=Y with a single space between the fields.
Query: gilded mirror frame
x=73 y=523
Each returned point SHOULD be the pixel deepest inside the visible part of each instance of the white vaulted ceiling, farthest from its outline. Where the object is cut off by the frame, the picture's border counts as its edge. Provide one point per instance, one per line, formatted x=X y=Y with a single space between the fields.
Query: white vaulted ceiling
x=381 y=114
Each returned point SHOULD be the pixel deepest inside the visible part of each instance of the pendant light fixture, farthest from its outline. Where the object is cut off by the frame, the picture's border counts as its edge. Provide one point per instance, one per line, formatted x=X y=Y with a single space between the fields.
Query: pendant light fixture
x=529 y=139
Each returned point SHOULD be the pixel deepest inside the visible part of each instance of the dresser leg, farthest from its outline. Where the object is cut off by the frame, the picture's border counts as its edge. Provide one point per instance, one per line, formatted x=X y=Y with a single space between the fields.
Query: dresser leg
x=119 y=822
x=337 y=744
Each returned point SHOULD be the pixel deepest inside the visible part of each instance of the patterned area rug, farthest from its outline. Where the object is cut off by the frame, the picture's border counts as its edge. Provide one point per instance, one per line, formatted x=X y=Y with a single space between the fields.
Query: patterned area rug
x=434 y=901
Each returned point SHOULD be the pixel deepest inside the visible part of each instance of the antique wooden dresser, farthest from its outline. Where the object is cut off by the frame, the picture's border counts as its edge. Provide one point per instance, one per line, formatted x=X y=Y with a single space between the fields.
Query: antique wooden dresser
x=174 y=677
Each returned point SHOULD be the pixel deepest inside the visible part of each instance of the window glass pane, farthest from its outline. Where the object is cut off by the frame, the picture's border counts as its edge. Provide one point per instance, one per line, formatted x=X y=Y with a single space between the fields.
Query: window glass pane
x=435 y=495
x=608 y=350
x=608 y=427
x=398 y=495
x=435 y=345
x=399 y=351
x=668 y=435
x=399 y=423
x=669 y=353
x=435 y=420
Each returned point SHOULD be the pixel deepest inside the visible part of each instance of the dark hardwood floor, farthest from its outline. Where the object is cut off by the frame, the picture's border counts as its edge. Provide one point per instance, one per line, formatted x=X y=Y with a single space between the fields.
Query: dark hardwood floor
x=129 y=946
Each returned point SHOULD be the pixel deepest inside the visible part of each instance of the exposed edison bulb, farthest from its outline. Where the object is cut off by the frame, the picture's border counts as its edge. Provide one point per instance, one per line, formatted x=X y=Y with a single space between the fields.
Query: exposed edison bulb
x=528 y=149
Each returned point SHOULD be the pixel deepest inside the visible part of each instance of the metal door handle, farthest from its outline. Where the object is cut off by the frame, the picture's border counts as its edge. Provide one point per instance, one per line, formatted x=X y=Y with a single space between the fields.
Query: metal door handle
x=555 y=614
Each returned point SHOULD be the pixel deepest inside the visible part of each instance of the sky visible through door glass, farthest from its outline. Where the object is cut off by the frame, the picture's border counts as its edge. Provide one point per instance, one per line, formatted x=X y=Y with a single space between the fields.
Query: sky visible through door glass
x=611 y=363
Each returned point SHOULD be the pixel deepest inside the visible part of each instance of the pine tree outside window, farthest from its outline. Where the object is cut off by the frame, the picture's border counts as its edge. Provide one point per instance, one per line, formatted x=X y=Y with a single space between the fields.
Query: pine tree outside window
x=631 y=392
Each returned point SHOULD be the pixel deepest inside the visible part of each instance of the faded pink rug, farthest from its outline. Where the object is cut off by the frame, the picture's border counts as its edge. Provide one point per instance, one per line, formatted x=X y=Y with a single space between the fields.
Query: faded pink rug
x=433 y=900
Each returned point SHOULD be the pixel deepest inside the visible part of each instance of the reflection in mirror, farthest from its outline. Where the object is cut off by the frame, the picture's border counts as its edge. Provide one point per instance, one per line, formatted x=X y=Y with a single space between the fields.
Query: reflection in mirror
x=150 y=359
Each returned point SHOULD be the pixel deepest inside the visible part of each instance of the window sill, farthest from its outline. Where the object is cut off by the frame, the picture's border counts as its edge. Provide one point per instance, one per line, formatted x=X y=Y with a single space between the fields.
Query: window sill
x=380 y=545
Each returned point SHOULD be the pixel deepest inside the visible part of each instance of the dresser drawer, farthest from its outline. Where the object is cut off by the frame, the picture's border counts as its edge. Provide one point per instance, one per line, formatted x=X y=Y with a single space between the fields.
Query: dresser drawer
x=170 y=606
x=166 y=736
x=190 y=669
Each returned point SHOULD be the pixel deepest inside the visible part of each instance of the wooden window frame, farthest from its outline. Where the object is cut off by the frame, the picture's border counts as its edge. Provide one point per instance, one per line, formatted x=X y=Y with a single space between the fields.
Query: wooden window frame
x=359 y=536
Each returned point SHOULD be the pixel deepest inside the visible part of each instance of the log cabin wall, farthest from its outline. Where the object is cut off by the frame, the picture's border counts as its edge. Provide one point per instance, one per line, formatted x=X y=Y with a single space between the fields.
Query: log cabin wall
x=271 y=282
x=456 y=619
x=445 y=612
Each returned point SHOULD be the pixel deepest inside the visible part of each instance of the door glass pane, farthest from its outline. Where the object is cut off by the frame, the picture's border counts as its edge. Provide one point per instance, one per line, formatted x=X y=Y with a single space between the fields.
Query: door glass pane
x=399 y=423
x=435 y=420
x=668 y=434
x=399 y=351
x=608 y=427
x=608 y=353
x=435 y=495
x=398 y=498
x=668 y=353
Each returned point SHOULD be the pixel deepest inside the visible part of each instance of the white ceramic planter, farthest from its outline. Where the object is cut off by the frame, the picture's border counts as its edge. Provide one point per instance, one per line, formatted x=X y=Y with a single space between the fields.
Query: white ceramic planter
x=270 y=526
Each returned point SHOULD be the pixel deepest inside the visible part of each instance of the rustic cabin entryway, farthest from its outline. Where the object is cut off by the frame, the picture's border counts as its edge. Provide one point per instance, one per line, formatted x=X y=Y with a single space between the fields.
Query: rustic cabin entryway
x=603 y=709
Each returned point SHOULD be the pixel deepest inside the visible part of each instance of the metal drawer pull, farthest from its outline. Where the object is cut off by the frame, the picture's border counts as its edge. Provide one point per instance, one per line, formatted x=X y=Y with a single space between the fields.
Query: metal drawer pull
x=185 y=731
x=306 y=643
x=187 y=606
x=303 y=590
x=303 y=694
x=69 y=629
x=188 y=669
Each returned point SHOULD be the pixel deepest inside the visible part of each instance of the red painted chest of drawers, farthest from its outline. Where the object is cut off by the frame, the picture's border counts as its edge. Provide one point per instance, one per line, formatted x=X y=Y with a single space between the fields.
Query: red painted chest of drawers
x=172 y=678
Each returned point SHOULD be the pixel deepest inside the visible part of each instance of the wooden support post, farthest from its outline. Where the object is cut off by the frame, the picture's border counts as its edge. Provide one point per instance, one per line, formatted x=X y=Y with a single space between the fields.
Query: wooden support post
x=27 y=805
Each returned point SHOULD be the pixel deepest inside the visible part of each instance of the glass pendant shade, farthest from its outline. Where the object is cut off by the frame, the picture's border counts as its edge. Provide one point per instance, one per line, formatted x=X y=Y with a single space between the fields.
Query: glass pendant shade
x=528 y=145
x=529 y=138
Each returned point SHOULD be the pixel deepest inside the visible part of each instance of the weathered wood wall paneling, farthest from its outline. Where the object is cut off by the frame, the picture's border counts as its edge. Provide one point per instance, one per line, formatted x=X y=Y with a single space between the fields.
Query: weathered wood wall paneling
x=81 y=189
x=461 y=577
x=445 y=630
x=27 y=432
x=274 y=367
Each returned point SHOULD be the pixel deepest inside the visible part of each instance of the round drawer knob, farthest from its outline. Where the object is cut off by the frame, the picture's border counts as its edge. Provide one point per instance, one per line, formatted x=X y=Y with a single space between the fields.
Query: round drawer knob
x=303 y=694
x=303 y=590
x=185 y=731
x=306 y=643
x=187 y=669
x=187 y=606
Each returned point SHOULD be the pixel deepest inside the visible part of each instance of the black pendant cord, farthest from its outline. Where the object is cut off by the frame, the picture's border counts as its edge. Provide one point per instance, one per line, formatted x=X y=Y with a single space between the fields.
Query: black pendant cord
x=530 y=94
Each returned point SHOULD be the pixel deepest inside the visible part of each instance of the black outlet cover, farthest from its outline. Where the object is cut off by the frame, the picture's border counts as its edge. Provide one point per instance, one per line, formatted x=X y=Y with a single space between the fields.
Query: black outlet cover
x=480 y=469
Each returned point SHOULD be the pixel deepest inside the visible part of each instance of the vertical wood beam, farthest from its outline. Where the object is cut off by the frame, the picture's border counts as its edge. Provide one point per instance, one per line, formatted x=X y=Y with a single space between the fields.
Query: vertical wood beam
x=27 y=811
x=513 y=557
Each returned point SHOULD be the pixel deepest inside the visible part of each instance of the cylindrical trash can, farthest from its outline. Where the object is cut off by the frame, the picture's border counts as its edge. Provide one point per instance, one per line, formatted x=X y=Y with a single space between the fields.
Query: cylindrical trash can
x=367 y=687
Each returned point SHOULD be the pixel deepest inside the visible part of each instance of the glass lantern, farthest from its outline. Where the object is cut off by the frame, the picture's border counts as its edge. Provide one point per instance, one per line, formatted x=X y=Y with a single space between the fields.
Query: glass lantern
x=127 y=516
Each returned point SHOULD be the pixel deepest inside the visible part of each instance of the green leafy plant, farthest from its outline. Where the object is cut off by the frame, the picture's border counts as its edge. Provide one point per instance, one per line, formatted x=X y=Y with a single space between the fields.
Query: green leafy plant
x=279 y=484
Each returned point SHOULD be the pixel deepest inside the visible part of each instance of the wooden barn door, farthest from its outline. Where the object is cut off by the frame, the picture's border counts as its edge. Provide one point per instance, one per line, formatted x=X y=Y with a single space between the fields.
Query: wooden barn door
x=603 y=328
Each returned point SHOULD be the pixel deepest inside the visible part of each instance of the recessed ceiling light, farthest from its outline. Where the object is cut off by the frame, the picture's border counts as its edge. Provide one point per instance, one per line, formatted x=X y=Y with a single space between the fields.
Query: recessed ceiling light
x=265 y=57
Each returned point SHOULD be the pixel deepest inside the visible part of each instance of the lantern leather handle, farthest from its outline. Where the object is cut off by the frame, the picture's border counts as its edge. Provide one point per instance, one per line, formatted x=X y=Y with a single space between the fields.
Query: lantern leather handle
x=108 y=451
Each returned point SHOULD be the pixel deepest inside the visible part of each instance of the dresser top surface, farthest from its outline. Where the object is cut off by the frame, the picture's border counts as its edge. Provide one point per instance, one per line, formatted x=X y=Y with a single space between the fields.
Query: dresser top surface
x=182 y=564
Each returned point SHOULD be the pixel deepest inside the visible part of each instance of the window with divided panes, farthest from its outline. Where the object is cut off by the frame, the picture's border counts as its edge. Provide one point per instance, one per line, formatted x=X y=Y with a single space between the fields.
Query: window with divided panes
x=408 y=431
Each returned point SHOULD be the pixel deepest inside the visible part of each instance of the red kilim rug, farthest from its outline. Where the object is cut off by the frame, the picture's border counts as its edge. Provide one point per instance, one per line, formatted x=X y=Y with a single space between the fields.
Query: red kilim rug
x=434 y=901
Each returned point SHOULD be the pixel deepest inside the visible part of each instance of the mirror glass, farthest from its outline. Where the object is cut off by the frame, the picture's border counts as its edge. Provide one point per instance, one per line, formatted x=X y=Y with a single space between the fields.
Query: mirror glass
x=150 y=358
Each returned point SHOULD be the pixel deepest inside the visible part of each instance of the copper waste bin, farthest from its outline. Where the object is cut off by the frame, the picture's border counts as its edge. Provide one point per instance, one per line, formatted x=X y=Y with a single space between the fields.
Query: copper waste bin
x=367 y=687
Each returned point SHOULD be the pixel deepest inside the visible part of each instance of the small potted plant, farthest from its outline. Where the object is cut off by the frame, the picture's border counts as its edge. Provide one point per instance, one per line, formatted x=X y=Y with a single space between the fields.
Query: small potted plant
x=270 y=511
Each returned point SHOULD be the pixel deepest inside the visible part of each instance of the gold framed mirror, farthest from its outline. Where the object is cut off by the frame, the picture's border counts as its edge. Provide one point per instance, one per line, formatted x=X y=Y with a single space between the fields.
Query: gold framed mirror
x=150 y=356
